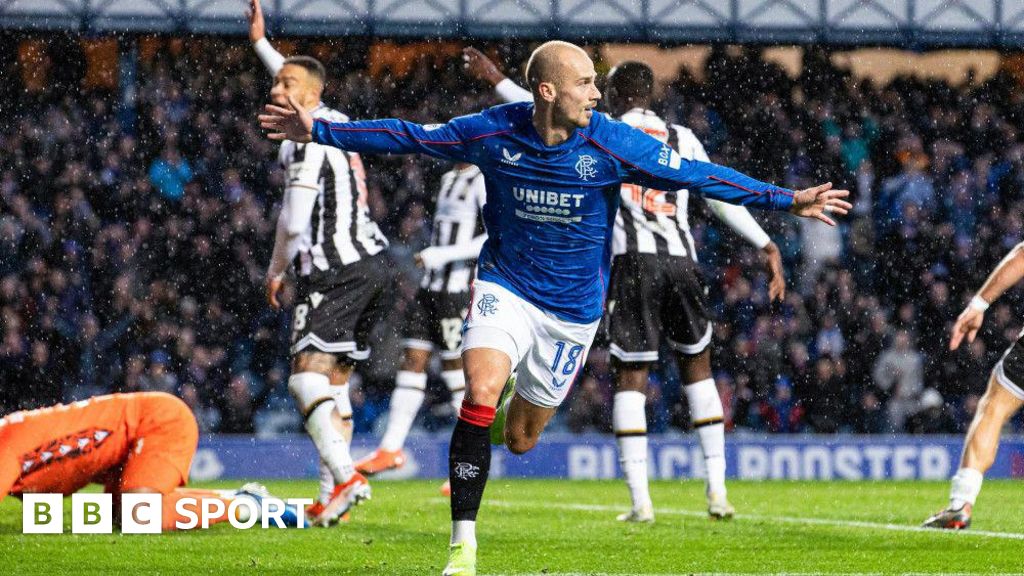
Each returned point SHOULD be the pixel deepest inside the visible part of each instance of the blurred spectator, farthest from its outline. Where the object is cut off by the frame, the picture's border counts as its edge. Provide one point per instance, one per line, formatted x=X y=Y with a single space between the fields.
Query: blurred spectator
x=899 y=372
x=170 y=173
x=933 y=417
x=158 y=378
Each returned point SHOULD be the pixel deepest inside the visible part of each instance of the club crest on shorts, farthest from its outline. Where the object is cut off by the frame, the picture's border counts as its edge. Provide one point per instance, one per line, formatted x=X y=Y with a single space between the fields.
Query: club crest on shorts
x=466 y=471
x=487 y=304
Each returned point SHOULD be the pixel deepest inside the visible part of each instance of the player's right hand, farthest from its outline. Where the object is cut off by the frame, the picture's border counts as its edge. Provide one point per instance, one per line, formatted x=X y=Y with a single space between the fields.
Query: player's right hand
x=257 y=27
x=292 y=123
x=480 y=66
x=968 y=325
x=274 y=286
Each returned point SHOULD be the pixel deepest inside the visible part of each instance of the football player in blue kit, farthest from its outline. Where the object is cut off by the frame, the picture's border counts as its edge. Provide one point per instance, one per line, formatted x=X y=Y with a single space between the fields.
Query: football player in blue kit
x=553 y=171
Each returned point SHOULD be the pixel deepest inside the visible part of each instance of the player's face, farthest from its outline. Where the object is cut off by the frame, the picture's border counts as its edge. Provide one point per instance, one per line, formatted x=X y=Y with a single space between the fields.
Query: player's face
x=577 y=92
x=292 y=81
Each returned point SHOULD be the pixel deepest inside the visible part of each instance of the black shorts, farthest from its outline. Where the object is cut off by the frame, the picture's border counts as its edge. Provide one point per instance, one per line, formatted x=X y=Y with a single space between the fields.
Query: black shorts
x=434 y=320
x=651 y=296
x=336 y=311
x=1010 y=370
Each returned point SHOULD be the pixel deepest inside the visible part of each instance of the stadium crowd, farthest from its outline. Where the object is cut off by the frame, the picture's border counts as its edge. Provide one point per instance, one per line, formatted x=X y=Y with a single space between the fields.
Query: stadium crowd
x=136 y=225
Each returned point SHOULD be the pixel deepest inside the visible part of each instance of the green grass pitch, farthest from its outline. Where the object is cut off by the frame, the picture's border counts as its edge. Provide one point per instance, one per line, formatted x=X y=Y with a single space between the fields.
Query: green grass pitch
x=558 y=527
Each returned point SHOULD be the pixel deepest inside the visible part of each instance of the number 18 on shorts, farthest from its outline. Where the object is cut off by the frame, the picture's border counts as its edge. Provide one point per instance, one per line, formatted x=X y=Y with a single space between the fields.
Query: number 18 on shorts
x=547 y=353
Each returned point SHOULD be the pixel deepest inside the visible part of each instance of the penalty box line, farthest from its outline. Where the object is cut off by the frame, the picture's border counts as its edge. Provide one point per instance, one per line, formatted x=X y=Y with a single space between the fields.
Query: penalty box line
x=760 y=517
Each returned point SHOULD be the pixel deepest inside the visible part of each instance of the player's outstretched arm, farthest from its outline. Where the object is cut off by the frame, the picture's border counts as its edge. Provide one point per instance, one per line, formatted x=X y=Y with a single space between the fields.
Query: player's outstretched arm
x=271 y=58
x=388 y=136
x=483 y=68
x=646 y=161
x=1010 y=271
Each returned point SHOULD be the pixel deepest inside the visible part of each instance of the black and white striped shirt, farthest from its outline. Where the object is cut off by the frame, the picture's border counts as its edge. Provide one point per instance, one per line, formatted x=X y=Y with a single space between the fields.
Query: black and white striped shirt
x=457 y=221
x=340 y=231
x=653 y=221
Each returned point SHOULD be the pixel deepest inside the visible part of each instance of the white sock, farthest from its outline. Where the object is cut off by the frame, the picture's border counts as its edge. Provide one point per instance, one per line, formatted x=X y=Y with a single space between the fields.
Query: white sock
x=341 y=400
x=405 y=403
x=455 y=380
x=314 y=396
x=706 y=414
x=326 y=483
x=966 y=485
x=330 y=442
x=464 y=531
x=629 y=421
x=309 y=389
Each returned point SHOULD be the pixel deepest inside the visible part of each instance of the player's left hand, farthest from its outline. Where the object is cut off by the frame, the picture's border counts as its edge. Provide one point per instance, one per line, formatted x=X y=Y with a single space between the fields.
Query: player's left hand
x=292 y=123
x=819 y=201
x=777 y=280
x=968 y=325
x=274 y=286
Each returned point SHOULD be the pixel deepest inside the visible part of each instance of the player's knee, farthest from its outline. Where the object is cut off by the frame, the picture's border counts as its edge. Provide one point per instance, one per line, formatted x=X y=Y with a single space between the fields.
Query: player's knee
x=631 y=376
x=695 y=367
x=319 y=362
x=415 y=360
x=520 y=443
x=484 y=388
x=997 y=404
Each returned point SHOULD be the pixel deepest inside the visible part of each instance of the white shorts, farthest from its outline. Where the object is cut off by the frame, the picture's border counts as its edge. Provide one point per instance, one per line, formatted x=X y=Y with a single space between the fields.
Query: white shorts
x=546 y=353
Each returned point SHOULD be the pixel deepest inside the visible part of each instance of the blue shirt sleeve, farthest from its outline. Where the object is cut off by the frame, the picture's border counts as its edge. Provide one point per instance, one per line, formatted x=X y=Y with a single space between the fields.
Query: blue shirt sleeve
x=451 y=141
x=646 y=161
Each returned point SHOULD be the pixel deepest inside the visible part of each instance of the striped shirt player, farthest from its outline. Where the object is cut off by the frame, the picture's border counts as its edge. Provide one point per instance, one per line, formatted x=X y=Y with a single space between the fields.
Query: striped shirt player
x=325 y=232
x=656 y=288
x=458 y=231
x=434 y=319
x=458 y=234
x=344 y=286
x=339 y=230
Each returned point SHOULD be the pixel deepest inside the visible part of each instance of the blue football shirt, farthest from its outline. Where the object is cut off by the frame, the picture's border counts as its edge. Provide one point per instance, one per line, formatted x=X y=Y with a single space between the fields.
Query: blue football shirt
x=551 y=210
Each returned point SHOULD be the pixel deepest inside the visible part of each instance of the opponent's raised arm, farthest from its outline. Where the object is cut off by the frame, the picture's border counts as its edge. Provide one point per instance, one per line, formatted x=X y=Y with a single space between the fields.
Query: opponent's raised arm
x=271 y=58
x=479 y=66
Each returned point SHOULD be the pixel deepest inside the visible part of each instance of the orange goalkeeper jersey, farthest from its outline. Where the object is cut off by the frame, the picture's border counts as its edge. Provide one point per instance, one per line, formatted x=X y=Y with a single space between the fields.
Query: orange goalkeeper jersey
x=124 y=441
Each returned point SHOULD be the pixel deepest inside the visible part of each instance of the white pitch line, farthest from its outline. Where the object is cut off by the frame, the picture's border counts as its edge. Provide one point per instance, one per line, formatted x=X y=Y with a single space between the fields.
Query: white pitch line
x=758 y=517
x=760 y=574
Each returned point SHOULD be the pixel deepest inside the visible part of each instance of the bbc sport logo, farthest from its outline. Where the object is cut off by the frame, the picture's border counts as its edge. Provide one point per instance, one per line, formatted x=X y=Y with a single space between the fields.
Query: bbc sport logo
x=143 y=513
